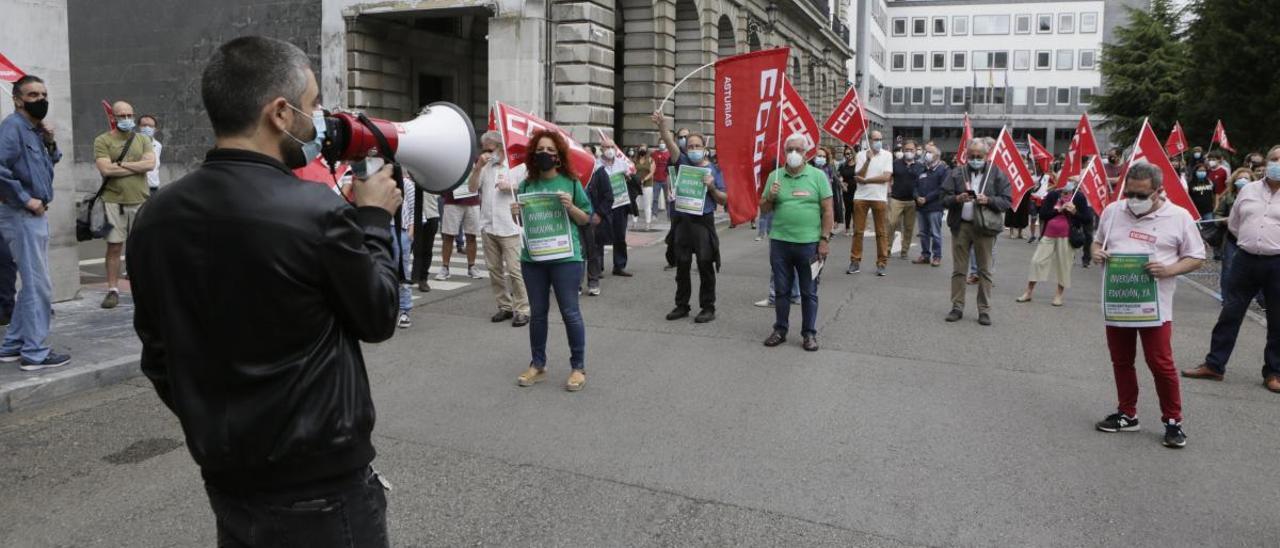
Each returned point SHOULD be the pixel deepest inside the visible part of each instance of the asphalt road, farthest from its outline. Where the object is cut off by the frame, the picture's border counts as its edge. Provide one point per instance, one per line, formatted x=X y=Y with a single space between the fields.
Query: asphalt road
x=902 y=431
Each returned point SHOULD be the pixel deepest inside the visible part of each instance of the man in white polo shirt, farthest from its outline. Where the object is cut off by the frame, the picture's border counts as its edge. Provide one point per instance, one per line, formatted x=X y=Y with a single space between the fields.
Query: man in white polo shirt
x=1146 y=223
x=873 y=172
x=496 y=186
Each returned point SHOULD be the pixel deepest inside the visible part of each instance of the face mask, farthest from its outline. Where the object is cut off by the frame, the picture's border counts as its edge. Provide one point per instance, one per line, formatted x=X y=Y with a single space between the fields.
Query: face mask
x=819 y=161
x=1071 y=187
x=794 y=159
x=682 y=141
x=125 y=125
x=697 y=155
x=877 y=145
x=37 y=109
x=1241 y=182
x=662 y=146
x=977 y=164
x=610 y=154
x=309 y=149
x=928 y=157
x=1196 y=155
x=148 y=131
x=909 y=155
x=1201 y=174
x=644 y=152
x=544 y=161
x=494 y=159
x=897 y=155
x=1140 y=207
x=1213 y=164
x=1273 y=171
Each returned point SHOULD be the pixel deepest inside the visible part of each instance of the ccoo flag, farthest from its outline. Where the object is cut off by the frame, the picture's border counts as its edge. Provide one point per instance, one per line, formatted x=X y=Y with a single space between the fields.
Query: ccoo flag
x=1039 y=154
x=797 y=120
x=1177 y=142
x=747 y=87
x=9 y=72
x=1220 y=137
x=1147 y=149
x=1093 y=183
x=1006 y=158
x=849 y=121
x=965 y=137
x=516 y=126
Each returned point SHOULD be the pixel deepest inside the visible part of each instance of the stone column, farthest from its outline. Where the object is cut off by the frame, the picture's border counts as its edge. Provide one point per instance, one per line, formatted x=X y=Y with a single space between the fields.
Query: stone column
x=649 y=62
x=695 y=39
x=583 y=74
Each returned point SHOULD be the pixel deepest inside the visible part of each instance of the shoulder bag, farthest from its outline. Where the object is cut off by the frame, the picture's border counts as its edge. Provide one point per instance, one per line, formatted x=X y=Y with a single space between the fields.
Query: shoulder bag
x=91 y=214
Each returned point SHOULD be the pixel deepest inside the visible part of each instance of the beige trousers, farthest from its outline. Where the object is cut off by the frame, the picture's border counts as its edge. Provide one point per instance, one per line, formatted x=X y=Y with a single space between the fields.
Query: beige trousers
x=1052 y=255
x=902 y=217
x=502 y=256
x=961 y=242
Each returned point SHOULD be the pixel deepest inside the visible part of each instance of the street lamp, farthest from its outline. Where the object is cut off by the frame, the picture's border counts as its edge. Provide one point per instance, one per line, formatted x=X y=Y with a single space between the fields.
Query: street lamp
x=772 y=12
x=826 y=52
x=857 y=79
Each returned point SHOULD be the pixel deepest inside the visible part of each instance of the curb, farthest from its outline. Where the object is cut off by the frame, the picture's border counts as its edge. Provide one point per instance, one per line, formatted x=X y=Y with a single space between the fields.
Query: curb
x=37 y=391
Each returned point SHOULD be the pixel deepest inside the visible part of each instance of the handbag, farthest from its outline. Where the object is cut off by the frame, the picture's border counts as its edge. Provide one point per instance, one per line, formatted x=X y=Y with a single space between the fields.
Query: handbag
x=91 y=214
x=1212 y=234
x=1077 y=236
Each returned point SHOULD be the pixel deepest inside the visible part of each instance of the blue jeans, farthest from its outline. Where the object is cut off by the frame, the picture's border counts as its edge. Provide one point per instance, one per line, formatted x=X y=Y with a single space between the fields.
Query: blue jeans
x=795 y=287
x=790 y=266
x=1249 y=275
x=763 y=224
x=28 y=239
x=539 y=280
x=930 y=224
x=400 y=252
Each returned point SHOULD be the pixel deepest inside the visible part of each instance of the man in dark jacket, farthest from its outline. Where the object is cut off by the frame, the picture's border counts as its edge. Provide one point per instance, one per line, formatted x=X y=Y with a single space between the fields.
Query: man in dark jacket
x=928 y=197
x=253 y=291
x=973 y=190
x=599 y=231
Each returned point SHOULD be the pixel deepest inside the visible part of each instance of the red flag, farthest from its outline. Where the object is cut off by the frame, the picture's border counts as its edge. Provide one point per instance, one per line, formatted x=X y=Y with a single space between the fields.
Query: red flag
x=493 y=124
x=747 y=113
x=849 y=121
x=9 y=72
x=1220 y=137
x=1082 y=144
x=1177 y=142
x=965 y=137
x=111 y=115
x=516 y=128
x=1093 y=183
x=1006 y=158
x=795 y=119
x=1039 y=154
x=1147 y=149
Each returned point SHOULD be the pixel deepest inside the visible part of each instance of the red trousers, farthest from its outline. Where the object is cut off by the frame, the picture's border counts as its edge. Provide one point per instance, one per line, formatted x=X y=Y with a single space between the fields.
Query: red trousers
x=1156 y=348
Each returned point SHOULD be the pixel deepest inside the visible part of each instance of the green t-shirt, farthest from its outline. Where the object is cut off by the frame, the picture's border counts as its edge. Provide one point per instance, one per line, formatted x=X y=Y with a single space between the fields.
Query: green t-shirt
x=797 y=211
x=559 y=183
x=131 y=190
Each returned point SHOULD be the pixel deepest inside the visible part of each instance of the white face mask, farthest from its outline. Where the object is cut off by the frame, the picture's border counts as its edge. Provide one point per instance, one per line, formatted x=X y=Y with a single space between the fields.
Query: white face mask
x=610 y=153
x=820 y=161
x=897 y=155
x=1140 y=207
x=1213 y=164
x=795 y=159
x=928 y=157
x=909 y=155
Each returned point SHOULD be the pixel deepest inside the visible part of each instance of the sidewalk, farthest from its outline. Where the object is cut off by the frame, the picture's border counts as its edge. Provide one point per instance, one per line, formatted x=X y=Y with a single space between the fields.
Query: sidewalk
x=104 y=350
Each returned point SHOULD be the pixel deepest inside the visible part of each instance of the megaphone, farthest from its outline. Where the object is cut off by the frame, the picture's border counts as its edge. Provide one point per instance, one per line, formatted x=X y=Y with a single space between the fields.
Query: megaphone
x=437 y=148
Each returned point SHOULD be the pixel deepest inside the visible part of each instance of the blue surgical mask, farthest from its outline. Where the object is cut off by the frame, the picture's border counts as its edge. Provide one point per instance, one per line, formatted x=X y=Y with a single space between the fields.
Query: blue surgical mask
x=977 y=163
x=311 y=149
x=1241 y=182
x=877 y=145
x=820 y=161
x=148 y=131
x=125 y=124
x=1202 y=174
x=1196 y=155
x=1273 y=171
x=697 y=155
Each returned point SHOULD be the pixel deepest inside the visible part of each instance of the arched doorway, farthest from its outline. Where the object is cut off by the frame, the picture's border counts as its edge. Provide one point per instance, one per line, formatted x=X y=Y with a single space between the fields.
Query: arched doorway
x=693 y=99
x=727 y=44
x=641 y=78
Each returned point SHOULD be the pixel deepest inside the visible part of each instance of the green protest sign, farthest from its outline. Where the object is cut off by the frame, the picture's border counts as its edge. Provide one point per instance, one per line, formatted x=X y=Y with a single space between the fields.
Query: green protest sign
x=1130 y=297
x=619 y=183
x=547 y=228
x=689 y=190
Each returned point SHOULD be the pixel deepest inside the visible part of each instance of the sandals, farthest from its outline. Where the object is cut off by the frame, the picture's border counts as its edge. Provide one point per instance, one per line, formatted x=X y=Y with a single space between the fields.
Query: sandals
x=534 y=375
x=1025 y=298
x=577 y=380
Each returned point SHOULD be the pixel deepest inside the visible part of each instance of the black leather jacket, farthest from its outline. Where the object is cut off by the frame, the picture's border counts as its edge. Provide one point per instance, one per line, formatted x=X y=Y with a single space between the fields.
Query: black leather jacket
x=253 y=291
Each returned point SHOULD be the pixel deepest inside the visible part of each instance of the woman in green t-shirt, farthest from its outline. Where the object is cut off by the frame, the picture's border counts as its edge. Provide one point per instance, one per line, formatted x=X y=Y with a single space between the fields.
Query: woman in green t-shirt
x=556 y=262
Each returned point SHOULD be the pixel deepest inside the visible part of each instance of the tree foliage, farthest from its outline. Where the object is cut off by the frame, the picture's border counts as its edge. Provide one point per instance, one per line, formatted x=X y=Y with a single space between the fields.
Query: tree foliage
x=1144 y=72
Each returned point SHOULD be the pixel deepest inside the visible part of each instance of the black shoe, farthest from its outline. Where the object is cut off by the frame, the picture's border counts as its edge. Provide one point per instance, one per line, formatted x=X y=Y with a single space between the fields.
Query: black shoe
x=1174 y=437
x=705 y=316
x=621 y=272
x=678 y=312
x=955 y=315
x=54 y=359
x=854 y=268
x=984 y=318
x=520 y=320
x=668 y=267
x=6 y=320
x=810 y=343
x=776 y=338
x=501 y=316
x=1118 y=422
x=423 y=286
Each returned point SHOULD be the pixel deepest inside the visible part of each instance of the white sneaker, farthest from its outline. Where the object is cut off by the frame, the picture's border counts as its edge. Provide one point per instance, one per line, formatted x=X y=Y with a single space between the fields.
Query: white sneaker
x=757 y=238
x=593 y=291
x=764 y=304
x=443 y=274
x=473 y=272
x=404 y=322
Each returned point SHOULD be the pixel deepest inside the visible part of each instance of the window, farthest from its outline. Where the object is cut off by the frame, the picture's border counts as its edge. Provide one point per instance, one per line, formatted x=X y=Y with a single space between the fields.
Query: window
x=1088 y=59
x=983 y=60
x=1066 y=23
x=1066 y=59
x=917 y=61
x=1044 y=23
x=980 y=95
x=997 y=96
x=899 y=26
x=918 y=26
x=959 y=60
x=899 y=61
x=959 y=25
x=1021 y=60
x=1022 y=24
x=957 y=96
x=1043 y=60
x=1085 y=97
x=1064 y=96
x=1019 y=97
x=990 y=24
x=917 y=96
x=937 y=96
x=1089 y=22
x=939 y=26
x=1042 y=96
x=938 y=61
x=896 y=96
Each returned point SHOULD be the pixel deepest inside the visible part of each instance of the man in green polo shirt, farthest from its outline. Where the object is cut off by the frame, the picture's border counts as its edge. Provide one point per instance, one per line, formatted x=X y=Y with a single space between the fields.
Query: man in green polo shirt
x=125 y=186
x=799 y=196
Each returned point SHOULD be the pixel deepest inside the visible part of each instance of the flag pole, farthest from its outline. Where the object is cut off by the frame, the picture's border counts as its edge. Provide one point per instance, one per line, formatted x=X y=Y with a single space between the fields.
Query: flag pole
x=682 y=80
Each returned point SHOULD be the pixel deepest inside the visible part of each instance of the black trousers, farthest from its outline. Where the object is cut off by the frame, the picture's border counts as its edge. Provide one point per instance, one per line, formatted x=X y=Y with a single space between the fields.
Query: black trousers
x=593 y=252
x=618 y=230
x=706 y=283
x=347 y=511
x=422 y=250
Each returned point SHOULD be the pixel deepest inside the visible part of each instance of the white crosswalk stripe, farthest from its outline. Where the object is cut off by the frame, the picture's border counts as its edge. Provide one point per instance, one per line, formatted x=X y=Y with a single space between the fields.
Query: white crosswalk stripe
x=457 y=268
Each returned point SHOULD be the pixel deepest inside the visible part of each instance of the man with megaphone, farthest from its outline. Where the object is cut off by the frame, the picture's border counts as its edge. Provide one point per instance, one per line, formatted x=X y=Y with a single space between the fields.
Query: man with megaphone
x=253 y=291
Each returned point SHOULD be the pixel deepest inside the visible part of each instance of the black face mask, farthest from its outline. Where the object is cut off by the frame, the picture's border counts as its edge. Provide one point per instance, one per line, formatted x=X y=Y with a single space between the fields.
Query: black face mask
x=37 y=109
x=544 y=161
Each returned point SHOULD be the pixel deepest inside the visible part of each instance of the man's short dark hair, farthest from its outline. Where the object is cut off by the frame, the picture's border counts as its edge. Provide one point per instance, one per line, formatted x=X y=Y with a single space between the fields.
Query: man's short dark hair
x=247 y=73
x=154 y=120
x=26 y=79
